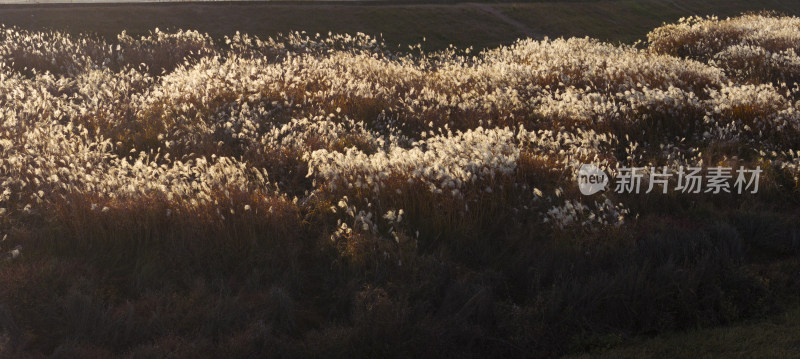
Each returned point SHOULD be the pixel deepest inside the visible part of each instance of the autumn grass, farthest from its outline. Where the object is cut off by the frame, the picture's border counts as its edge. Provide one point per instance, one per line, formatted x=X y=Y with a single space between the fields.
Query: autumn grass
x=625 y=21
x=294 y=245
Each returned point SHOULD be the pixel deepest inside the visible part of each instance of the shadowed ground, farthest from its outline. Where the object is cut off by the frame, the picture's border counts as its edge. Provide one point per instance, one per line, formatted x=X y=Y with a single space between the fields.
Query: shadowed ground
x=463 y=24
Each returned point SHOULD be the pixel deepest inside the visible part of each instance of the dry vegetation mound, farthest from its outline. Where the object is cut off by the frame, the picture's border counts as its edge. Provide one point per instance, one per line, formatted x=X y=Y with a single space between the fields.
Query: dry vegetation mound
x=324 y=195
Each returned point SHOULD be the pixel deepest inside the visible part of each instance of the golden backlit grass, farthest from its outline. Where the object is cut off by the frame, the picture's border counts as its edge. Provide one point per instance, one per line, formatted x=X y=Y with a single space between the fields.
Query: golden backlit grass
x=326 y=196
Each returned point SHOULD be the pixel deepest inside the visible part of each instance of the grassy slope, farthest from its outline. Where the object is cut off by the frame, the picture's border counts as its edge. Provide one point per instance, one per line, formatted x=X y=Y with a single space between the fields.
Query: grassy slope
x=774 y=337
x=459 y=24
x=628 y=20
x=402 y=24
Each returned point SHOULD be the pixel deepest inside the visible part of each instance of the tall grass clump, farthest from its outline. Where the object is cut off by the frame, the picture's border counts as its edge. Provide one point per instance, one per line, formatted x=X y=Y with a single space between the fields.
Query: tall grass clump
x=753 y=48
x=327 y=196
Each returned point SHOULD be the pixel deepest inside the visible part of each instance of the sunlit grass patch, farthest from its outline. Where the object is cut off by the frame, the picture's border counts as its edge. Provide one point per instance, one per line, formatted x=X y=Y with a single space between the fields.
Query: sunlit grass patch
x=328 y=195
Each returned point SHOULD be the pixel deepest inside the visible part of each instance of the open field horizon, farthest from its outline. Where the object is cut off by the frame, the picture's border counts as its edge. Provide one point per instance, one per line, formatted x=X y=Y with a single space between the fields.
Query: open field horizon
x=433 y=25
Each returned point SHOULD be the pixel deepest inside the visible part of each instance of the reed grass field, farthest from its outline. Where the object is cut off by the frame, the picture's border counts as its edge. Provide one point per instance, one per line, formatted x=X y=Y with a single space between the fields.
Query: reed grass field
x=204 y=187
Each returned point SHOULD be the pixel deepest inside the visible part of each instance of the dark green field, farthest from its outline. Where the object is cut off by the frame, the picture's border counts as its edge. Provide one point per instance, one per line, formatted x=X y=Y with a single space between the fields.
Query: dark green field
x=437 y=25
